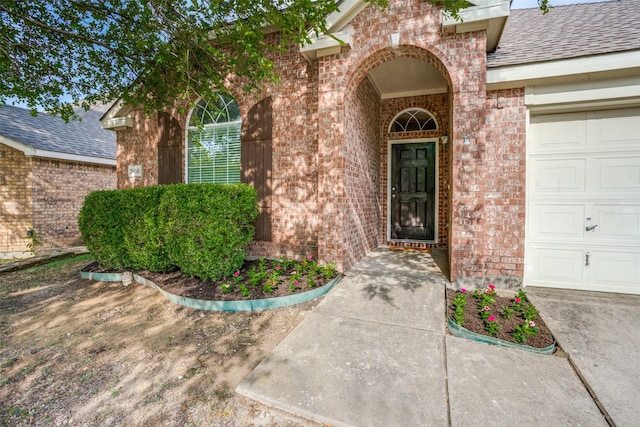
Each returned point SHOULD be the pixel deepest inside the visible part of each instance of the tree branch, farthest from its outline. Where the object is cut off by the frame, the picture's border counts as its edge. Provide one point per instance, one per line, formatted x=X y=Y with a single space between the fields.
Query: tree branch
x=60 y=31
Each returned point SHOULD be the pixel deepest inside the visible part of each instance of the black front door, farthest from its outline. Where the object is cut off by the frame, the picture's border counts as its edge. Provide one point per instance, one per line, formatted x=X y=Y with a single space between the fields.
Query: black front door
x=413 y=190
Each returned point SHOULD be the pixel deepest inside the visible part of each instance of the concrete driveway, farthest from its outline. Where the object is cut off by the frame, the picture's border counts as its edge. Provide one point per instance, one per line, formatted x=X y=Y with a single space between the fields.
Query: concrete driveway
x=600 y=332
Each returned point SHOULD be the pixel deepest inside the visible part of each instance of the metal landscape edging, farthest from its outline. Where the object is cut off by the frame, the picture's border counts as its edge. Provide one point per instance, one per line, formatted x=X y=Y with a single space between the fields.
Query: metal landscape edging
x=211 y=305
x=462 y=332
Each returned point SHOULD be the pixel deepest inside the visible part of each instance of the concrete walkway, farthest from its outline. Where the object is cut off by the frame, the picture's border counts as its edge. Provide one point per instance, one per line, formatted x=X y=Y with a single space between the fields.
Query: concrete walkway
x=42 y=257
x=375 y=353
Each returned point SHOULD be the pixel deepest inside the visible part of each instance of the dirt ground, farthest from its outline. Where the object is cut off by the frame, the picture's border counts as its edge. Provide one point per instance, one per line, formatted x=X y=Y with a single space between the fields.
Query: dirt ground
x=78 y=352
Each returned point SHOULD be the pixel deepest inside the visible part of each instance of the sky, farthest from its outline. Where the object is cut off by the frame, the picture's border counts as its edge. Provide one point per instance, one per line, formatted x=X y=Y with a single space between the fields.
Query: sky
x=526 y=4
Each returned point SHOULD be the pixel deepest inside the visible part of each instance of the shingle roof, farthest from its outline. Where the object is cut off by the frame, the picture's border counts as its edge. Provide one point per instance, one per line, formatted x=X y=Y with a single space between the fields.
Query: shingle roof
x=45 y=132
x=568 y=32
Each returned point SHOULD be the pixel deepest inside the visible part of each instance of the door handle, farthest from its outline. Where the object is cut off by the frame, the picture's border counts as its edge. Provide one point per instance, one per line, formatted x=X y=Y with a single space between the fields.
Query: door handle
x=591 y=227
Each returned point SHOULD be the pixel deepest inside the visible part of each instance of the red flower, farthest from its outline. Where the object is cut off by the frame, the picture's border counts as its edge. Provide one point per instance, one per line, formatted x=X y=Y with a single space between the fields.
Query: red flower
x=491 y=286
x=532 y=323
x=485 y=308
x=463 y=290
x=309 y=257
x=278 y=267
x=518 y=300
x=295 y=282
x=491 y=318
x=489 y=291
x=237 y=273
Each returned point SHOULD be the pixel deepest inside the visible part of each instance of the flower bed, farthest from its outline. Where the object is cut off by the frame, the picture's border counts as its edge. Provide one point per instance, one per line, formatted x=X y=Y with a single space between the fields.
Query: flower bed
x=508 y=319
x=258 y=285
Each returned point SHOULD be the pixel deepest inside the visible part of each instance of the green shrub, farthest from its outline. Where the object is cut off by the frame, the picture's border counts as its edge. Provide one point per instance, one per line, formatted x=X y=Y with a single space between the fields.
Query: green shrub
x=143 y=238
x=207 y=226
x=200 y=228
x=100 y=222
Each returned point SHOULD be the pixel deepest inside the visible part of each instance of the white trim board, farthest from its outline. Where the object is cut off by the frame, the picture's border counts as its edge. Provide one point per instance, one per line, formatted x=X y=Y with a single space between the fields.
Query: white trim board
x=437 y=189
x=612 y=93
x=527 y=74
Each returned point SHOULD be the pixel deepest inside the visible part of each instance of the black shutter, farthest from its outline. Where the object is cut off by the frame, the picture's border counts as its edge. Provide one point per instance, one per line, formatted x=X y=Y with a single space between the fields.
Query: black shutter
x=169 y=149
x=256 y=140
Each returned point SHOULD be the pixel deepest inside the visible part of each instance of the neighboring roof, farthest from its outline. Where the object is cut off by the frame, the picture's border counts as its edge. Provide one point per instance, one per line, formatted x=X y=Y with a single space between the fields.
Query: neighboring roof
x=48 y=134
x=568 y=32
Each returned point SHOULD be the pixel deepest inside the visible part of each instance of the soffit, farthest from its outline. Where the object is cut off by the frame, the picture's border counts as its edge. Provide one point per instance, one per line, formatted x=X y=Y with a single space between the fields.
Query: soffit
x=407 y=77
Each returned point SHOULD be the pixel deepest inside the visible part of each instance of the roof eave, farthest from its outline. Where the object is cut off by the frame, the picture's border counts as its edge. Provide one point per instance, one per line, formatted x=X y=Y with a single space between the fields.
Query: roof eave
x=115 y=117
x=548 y=72
x=325 y=45
x=29 y=151
x=117 y=123
x=331 y=43
x=488 y=15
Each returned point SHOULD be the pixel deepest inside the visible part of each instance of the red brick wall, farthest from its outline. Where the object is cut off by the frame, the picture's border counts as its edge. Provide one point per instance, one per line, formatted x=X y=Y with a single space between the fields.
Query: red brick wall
x=45 y=195
x=329 y=195
x=438 y=106
x=59 y=190
x=295 y=153
x=138 y=146
x=363 y=216
x=15 y=200
x=504 y=200
x=461 y=59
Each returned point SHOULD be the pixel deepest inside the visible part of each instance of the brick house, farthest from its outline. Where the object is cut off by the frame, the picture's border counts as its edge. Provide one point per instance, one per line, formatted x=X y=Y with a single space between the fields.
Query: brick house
x=47 y=167
x=503 y=139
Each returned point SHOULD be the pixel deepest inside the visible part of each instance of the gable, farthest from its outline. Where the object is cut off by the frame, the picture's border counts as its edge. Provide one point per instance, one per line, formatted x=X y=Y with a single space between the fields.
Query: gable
x=488 y=15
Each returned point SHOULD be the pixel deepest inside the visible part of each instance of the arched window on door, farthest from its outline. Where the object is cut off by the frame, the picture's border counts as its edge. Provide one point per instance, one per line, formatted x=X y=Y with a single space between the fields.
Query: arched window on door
x=213 y=141
x=413 y=119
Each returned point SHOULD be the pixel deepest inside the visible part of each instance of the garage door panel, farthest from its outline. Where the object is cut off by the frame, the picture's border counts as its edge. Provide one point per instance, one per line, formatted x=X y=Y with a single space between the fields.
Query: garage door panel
x=616 y=223
x=580 y=184
x=615 y=129
x=614 y=271
x=556 y=267
x=615 y=174
x=552 y=222
x=557 y=133
x=559 y=176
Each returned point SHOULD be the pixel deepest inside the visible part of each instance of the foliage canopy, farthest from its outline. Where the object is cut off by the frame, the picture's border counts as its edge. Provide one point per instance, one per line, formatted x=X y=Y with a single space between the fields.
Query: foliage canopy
x=148 y=52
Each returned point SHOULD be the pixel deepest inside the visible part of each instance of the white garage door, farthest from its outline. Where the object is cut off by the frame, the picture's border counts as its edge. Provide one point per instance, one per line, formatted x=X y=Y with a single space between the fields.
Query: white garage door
x=583 y=201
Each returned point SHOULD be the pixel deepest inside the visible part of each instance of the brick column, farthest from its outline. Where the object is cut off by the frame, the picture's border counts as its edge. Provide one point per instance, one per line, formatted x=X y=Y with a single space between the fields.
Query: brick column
x=331 y=166
x=467 y=254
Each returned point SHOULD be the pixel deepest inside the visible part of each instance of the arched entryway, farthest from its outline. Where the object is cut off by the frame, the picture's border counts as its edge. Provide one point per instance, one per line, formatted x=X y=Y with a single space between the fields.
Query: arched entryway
x=397 y=124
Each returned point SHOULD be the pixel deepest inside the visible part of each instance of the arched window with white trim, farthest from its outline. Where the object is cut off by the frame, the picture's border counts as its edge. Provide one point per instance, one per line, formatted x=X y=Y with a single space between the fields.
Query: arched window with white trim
x=413 y=119
x=213 y=141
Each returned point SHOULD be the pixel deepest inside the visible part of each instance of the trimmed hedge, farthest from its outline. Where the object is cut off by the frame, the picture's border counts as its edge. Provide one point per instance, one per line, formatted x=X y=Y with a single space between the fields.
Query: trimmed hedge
x=206 y=227
x=142 y=235
x=202 y=229
x=102 y=228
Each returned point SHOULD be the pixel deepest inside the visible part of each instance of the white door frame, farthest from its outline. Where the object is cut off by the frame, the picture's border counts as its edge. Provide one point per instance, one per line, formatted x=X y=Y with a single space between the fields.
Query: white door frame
x=390 y=144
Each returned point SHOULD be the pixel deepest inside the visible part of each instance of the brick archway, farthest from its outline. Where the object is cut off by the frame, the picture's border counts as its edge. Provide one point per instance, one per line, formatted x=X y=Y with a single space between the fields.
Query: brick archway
x=432 y=56
x=441 y=104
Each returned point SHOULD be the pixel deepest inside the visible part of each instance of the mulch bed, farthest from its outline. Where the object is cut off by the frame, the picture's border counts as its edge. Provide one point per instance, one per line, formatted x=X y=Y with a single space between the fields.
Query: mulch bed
x=473 y=322
x=177 y=283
